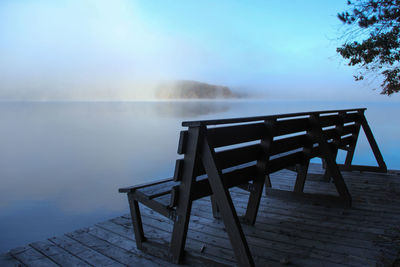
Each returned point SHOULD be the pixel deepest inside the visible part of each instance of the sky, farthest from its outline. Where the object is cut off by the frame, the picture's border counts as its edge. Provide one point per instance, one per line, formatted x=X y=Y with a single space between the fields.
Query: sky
x=117 y=49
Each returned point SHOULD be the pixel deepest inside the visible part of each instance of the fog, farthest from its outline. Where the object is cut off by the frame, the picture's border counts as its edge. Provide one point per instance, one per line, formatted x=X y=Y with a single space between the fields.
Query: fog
x=86 y=50
x=118 y=50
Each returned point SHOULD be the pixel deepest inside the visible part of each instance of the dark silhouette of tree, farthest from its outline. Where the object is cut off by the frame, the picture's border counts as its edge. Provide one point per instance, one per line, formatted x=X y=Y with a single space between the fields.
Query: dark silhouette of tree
x=374 y=27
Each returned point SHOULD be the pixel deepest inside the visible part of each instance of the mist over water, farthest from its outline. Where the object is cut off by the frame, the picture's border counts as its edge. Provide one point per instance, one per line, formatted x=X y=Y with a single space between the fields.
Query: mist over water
x=62 y=162
x=119 y=50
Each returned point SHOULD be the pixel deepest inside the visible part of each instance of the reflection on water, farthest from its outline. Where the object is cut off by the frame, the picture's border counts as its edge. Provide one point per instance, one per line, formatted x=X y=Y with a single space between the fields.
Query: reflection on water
x=62 y=163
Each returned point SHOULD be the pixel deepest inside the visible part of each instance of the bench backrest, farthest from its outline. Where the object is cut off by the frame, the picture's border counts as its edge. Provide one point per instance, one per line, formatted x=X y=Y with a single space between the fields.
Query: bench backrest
x=245 y=146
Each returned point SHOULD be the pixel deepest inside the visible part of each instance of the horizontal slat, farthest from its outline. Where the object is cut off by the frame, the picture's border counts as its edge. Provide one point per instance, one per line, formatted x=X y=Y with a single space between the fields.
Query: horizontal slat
x=288 y=144
x=346 y=141
x=284 y=162
x=331 y=133
x=135 y=187
x=259 y=118
x=230 y=135
x=237 y=156
x=202 y=188
x=291 y=126
x=349 y=129
x=155 y=190
x=352 y=117
x=329 y=120
x=161 y=193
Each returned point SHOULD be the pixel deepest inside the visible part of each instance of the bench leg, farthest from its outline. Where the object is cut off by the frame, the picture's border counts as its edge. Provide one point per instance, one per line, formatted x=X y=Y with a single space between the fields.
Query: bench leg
x=136 y=221
x=254 y=200
x=302 y=170
x=215 y=209
x=327 y=176
x=268 y=183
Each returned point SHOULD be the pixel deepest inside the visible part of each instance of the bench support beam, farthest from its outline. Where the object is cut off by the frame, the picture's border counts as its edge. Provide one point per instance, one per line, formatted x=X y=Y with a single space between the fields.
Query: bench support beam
x=227 y=210
x=331 y=165
x=136 y=221
x=372 y=143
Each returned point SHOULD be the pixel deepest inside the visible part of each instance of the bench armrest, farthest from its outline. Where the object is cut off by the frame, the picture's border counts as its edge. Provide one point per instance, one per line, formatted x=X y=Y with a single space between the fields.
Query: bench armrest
x=133 y=188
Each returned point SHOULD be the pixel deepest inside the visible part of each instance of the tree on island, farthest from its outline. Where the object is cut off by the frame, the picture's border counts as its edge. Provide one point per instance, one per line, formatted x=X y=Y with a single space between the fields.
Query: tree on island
x=374 y=27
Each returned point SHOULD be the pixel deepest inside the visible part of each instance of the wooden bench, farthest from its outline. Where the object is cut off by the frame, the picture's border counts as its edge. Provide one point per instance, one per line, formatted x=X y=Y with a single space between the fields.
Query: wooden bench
x=242 y=152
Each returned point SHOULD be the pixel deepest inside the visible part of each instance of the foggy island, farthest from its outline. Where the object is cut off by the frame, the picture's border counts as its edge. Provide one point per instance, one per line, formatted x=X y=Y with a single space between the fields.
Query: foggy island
x=188 y=89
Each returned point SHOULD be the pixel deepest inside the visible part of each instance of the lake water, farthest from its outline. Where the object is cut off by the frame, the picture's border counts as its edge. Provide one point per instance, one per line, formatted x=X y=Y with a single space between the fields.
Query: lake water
x=61 y=164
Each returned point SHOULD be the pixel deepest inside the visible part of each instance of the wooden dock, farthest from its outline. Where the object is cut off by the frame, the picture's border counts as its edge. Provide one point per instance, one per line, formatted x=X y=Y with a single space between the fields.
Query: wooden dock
x=285 y=233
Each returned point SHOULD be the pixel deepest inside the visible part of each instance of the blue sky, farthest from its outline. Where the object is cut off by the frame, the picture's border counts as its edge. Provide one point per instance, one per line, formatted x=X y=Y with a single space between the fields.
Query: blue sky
x=98 y=49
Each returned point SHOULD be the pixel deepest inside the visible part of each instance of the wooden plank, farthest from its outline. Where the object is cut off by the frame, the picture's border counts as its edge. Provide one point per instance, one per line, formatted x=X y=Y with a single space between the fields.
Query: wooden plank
x=352 y=117
x=118 y=254
x=7 y=260
x=230 y=135
x=83 y=252
x=276 y=222
x=320 y=199
x=228 y=213
x=283 y=162
x=237 y=156
x=57 y=254
x=215 y=241
x=159 y=235
x=329 y=120
x=265 y=244
x=290 y=126
x=156 y=189
x=349 y=129
x=331 y=133
x=346 y=141
x=282 y=220
x=283 y=238
x=364 y=203
x=262 y=118
x=133 y=188
x=288 y=144
x=362 y=168
x=107 y=231
x=31 y=257
x=360 y=221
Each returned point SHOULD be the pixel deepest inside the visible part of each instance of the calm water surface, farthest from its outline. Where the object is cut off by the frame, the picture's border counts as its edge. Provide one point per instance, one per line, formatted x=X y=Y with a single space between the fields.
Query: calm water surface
x=61 y=164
